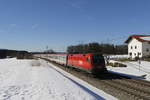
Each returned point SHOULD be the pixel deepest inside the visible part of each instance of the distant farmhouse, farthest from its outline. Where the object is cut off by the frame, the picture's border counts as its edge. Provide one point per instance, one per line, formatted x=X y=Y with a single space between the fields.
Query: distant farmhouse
x=138 y=46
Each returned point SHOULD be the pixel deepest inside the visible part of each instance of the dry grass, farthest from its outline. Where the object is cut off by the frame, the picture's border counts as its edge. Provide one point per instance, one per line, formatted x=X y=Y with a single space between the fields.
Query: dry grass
x=116 y=64
x=35 y=63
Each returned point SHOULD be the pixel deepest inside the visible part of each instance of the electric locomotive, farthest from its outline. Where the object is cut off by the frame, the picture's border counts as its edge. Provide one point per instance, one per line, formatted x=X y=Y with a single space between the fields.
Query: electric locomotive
x=91 y=63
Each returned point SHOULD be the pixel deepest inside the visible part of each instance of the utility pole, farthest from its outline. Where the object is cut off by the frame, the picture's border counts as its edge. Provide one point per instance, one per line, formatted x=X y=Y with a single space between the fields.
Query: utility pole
x=47 y=53
x=47 y=50
x=139 y=63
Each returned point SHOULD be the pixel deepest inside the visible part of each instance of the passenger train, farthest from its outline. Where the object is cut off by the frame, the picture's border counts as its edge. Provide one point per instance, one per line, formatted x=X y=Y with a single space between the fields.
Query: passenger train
x=91 y=63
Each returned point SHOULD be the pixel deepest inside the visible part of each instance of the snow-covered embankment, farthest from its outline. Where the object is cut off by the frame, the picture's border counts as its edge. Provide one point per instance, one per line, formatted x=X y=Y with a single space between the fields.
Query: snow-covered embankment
x=38 y=80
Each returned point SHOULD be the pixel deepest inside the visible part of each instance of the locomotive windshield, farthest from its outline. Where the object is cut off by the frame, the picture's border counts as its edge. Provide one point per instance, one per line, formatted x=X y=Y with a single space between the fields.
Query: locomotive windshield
x=98 y=59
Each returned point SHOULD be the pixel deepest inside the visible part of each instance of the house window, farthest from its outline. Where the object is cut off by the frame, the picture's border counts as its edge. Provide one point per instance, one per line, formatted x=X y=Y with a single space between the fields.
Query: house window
x=135 y=54
x=130 y=54
x=131 y=47
x=135 y=47
x=139 y=54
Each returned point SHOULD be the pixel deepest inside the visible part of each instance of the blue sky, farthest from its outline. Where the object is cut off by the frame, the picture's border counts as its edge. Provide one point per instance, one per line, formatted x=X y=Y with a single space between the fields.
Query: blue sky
x=34 y=24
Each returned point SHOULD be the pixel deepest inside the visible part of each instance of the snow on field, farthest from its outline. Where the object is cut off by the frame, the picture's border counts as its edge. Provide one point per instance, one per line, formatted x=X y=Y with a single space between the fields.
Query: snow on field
x=38 y=80
x=133 y=69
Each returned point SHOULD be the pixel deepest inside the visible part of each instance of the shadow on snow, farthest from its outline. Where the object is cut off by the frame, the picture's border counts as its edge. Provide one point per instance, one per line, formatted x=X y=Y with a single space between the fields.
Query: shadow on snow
x=96 y=96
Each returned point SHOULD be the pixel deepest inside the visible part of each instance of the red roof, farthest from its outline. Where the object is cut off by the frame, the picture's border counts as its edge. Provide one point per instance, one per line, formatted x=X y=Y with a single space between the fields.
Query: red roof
x=138 y=37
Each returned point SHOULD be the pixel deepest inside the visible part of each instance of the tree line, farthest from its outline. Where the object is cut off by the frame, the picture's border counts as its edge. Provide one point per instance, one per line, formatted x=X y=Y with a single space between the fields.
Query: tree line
x=4 y=53
x=95 y=47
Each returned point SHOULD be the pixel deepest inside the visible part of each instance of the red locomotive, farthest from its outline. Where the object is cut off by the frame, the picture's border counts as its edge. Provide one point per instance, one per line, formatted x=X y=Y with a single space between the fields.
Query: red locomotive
x=91 y=63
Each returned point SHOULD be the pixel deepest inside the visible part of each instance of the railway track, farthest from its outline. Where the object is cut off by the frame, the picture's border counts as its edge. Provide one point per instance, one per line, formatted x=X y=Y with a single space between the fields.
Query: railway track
x=119 y=86
x=138 y=94
x=138 y=91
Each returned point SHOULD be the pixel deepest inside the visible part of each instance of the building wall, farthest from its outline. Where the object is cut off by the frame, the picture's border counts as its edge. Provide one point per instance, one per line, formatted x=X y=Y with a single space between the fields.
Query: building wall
x=146 y=49
x=135 y=48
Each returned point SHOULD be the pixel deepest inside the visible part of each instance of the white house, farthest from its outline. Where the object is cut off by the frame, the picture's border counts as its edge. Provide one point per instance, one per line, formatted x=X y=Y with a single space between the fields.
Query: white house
x=138 y=46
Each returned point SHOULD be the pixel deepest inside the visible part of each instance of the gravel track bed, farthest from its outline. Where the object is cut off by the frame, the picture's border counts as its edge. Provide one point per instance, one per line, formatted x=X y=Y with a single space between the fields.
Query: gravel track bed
x=123 y=88
x=130 y=88
x=141 y=87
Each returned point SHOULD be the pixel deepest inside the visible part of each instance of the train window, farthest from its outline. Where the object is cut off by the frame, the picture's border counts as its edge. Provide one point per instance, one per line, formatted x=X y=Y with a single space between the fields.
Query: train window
x=88 y=60
x=98 y=59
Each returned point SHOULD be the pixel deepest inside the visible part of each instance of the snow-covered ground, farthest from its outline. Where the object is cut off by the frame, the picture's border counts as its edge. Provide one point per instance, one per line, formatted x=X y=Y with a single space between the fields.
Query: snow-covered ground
x=133 y=69
x=39 y=80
